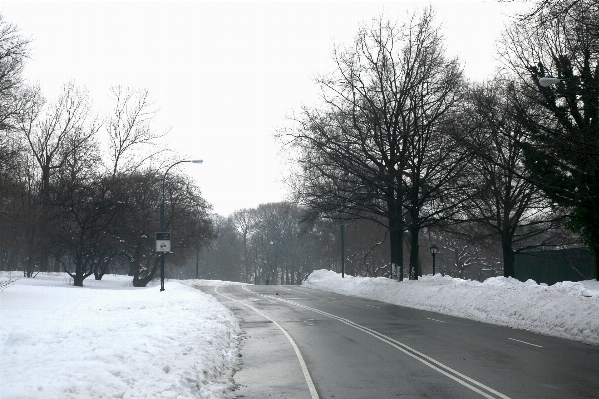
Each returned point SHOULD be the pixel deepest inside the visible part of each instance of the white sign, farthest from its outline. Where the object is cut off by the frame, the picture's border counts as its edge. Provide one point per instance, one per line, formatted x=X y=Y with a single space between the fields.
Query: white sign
x=163 y=242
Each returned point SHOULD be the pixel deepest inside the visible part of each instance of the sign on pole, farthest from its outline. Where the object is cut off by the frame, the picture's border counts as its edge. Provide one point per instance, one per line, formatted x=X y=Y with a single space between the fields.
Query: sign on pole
x=163 y=242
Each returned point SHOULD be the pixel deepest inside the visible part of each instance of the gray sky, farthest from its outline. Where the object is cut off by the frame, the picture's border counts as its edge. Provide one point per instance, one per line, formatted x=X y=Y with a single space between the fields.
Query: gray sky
x=224 y=74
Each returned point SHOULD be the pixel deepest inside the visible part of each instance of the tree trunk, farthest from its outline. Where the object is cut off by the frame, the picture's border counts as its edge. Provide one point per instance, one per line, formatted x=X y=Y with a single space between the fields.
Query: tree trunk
x=99 y=273
x=78 y=277
x=509 y=258
x=396 y=244
x=597 y=262
x=45 y=184
x=78 y=280
x=396 y=236
x=101 y=269
x=44 y=263
x=57 y=264
x=142 y=281
x=414 y=248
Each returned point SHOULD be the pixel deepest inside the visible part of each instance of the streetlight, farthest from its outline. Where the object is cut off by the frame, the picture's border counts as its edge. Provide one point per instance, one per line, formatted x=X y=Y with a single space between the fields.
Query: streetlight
x=548 y=81
x=162 y=217
x=433 y=252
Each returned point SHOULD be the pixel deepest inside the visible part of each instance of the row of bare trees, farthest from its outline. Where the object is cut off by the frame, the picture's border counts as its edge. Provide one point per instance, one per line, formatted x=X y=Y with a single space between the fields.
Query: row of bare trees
x=276 y=243
x=403 y=139
x=263 y=245
x=281 y=243
x=79 y=192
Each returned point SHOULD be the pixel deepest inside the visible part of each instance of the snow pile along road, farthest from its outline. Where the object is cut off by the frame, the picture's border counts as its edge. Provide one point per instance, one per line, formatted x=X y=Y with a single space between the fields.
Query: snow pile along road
x=567 y=310
x=110 y=340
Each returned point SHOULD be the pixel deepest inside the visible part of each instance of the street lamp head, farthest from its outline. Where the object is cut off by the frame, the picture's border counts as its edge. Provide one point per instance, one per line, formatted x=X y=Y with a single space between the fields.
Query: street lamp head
x=197 y=161
x=433 y=249
x=545 y=82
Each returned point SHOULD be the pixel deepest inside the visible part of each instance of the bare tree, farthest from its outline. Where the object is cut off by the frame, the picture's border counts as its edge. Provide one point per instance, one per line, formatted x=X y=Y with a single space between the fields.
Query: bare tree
x=47 y=131
x=14 y=50
x=244 y=221
x=544 y=12
x=186 y=216
x=275 y=235
x=84 y=214
x=222 y=258
x=14 y=101
x=466 y=252
x=57 y=137
x=131 y=139
x=376 y=146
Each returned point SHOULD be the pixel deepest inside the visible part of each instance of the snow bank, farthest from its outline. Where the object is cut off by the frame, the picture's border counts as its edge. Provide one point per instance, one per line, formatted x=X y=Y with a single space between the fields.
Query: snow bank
x=567 y=310
x=110 y=340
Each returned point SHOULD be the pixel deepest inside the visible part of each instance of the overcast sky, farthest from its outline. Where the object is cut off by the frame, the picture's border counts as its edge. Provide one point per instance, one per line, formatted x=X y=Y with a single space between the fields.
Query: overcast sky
x=224 y=74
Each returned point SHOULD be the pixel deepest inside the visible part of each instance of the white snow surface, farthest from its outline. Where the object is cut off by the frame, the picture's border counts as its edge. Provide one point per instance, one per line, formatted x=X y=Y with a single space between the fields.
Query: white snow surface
x=110 y=340
x=567 y=310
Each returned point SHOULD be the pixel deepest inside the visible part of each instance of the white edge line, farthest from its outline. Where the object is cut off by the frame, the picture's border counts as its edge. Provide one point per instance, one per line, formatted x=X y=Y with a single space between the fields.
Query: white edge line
x=297 y=351
x=400 y=346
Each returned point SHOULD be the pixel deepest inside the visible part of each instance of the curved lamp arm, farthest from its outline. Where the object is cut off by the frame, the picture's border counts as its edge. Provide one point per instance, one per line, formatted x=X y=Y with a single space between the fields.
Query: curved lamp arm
x=163 y=180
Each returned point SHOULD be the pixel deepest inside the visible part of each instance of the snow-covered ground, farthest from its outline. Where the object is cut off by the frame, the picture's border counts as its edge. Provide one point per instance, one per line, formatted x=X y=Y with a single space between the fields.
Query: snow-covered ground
x=110 y=340
x=567 y=310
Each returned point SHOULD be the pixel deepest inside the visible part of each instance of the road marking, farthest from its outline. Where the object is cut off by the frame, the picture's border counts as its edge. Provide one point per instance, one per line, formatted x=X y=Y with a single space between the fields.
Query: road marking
x=527 y=343
x=370 y=306
x=439 y=321
x=421 y=357
x=297 y=351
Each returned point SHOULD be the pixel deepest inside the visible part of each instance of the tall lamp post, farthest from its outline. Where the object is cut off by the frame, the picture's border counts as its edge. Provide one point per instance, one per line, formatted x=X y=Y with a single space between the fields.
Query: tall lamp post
x=433 y=252
x=342 y=248
x=162 y=217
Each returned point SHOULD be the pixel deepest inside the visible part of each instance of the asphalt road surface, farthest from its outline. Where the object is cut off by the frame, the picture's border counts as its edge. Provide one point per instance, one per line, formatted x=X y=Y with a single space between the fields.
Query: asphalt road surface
x=305 y=343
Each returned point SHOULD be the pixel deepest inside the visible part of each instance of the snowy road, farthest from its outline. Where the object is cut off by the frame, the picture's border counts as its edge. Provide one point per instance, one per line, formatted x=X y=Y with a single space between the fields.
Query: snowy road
x=350 y=347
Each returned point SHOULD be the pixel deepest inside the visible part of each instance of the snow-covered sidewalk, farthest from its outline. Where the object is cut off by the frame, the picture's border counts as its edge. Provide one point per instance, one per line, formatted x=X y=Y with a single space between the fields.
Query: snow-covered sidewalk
x=110 y=340
x=567 y=310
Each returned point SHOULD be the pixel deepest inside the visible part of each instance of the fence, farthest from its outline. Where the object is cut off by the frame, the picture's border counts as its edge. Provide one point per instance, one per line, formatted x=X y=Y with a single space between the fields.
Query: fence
x=550 y=267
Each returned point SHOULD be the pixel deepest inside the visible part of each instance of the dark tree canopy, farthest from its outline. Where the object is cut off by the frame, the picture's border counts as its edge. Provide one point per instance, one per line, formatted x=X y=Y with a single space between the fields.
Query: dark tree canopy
x=562 y=132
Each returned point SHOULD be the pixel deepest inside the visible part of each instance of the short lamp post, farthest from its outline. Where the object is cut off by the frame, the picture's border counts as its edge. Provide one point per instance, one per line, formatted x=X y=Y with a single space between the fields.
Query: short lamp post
x=162 y=217
x=433 y=252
